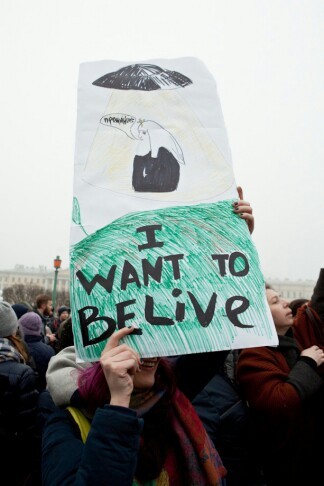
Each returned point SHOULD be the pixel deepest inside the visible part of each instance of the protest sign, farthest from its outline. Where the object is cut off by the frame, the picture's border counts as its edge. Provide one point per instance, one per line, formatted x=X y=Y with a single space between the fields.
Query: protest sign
x=154 y=241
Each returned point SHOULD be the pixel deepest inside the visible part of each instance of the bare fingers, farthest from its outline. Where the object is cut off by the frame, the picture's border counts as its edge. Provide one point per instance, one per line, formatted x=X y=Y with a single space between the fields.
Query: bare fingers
x=245 y=211
x=122 y=357
x=116 y=337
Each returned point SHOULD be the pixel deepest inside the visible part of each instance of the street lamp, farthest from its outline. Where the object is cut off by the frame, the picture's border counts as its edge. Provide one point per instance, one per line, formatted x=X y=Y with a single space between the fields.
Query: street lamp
x=57 y=266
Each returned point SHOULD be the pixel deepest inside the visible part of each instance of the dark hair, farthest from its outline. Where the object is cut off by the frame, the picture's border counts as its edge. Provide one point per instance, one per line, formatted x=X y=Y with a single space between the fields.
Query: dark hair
x=65 y=334
x=295 y=304
x=156 y=436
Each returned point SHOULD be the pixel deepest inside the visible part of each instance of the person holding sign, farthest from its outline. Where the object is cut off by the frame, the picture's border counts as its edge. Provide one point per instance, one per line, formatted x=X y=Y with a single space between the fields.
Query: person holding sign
x=284 y=386
x=62 y=379
x=141 y=427
x=164 y=408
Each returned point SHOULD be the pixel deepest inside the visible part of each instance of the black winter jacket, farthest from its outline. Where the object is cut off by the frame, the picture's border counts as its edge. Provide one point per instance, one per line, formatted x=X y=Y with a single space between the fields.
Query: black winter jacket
x=229 y=424
x=19 y=431
x=19 y=396
x=41 y=353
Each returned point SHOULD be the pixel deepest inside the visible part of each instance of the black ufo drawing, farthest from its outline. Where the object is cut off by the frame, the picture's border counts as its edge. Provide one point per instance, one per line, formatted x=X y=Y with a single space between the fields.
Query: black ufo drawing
x=143 y=77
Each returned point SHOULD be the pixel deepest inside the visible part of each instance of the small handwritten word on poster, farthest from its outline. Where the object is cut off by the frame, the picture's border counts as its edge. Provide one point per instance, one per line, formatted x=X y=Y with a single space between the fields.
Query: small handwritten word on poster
x=154 y=241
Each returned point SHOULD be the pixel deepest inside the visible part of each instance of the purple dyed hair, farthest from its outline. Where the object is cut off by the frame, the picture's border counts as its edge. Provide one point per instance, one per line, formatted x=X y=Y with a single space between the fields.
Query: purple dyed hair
x=94 y=390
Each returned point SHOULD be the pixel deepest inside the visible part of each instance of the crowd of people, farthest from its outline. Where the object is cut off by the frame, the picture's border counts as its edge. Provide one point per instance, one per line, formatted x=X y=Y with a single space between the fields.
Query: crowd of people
x=250 y=417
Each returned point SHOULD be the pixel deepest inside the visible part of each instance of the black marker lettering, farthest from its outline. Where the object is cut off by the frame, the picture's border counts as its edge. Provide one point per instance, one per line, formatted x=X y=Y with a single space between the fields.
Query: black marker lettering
x=86 y=321
x=231 y=264
x=150 y=236
x=153 y=271
x=221 y=262
x=151 y=318
x=106 y=283
x=204 y=318
x=233 y=313
x=129 y=275
x=174 y=259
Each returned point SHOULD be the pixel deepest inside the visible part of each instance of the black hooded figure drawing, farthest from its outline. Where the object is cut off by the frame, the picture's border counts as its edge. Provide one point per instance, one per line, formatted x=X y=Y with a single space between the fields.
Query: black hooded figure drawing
x=156 y=165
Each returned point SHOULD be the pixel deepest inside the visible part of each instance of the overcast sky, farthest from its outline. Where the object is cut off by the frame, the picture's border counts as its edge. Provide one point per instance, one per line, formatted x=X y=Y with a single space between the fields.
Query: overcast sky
x=267 y=60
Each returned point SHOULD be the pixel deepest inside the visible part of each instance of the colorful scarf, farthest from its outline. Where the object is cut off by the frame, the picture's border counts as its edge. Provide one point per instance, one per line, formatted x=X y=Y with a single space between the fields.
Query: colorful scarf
x=193 y=450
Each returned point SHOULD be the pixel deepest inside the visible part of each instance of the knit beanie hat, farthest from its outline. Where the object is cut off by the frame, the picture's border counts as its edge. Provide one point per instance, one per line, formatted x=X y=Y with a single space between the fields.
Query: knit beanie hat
x=31 y=324
x=62 y=376
x=62 y=309
x=20 y=310
x=8 y=320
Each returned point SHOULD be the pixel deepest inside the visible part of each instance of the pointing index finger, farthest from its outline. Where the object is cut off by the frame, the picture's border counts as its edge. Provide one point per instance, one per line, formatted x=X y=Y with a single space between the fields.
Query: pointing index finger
x=114 y=339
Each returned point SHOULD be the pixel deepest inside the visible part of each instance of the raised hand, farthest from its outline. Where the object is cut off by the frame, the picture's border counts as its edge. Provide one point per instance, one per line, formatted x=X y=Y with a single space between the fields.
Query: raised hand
x=244 y=210
x=119 y=363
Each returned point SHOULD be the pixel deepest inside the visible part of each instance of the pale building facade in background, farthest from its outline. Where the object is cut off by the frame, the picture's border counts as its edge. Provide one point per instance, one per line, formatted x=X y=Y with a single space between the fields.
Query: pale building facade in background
x=289 y=289
x=292 y=289
x=40 y=276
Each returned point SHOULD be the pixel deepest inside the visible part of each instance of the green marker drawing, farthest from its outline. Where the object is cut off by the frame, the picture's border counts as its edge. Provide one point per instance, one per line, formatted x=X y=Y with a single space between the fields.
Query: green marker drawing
x=188 y=277
x=76 y=214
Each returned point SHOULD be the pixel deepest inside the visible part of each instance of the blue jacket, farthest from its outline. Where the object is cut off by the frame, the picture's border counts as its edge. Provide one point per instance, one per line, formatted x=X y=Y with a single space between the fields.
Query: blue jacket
x=41 y=353
x=229 y=423
x=98 y=461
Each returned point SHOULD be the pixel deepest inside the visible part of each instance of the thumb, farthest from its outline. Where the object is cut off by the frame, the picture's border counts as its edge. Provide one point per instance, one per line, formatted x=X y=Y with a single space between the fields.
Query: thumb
x=240 y=192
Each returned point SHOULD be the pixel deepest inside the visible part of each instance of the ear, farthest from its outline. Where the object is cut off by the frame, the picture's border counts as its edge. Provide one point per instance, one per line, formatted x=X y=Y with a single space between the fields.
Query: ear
x=240 y=192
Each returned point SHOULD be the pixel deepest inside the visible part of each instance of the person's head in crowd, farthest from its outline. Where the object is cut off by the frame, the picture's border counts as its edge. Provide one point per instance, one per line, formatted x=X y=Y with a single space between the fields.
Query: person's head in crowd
x=155 y=373
x=8 y=320
x=9 y=329
x=169 y=426
x=31 y=324
x=63 y=313
x=20 y=309
x=65 y=334
x=295 y=304
x=44 y=304
x=281 y=312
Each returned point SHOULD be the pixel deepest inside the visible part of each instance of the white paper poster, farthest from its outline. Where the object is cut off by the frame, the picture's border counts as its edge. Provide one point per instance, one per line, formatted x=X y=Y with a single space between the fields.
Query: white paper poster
x=154 y=240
